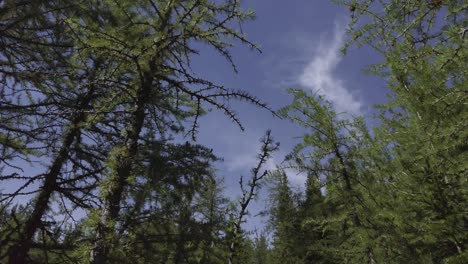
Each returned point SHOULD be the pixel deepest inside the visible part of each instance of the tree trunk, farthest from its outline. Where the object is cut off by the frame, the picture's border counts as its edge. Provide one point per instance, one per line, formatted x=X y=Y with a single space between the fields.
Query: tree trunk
x=19 y=251
x=121 y=172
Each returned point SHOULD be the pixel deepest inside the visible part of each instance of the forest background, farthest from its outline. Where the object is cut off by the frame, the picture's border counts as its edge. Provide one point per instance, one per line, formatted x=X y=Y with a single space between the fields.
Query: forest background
x=115 y=114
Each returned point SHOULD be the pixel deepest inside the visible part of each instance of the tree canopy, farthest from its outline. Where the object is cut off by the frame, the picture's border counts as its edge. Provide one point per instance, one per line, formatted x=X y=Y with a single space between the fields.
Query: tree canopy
x=100 y=97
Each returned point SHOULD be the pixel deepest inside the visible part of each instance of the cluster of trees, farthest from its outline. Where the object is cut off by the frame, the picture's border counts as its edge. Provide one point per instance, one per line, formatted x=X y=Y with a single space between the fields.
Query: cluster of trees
x=397 y=193
x=94 y=93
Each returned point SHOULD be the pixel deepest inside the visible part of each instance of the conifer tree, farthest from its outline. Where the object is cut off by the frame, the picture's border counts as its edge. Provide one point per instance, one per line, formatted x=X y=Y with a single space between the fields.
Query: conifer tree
x=249 y=191
x=395 y=195
x=339 y=224
x=424 y=45
x=285 y=220
x=101 y=80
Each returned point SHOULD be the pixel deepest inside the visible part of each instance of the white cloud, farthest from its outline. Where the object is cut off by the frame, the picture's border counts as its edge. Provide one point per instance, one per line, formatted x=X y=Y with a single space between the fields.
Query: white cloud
x=318 y=74
x=246 y=159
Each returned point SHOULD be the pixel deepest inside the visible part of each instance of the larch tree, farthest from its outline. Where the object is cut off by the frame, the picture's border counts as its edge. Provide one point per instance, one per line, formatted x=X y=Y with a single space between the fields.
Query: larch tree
x=424 y=46
x=327 y=155
x=87 y=86
x=396 y=194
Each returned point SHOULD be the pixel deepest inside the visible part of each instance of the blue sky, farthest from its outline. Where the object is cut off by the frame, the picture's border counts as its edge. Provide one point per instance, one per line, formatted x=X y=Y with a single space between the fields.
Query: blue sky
x=300 y=42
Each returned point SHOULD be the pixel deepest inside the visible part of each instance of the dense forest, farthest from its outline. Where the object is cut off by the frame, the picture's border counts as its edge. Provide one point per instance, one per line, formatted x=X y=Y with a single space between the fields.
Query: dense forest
x=98 y=94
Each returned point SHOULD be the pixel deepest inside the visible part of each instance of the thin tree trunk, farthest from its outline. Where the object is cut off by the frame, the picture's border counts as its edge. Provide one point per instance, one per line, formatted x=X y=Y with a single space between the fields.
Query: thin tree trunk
x=248 y=194
x=121 y=172
x=19 y=251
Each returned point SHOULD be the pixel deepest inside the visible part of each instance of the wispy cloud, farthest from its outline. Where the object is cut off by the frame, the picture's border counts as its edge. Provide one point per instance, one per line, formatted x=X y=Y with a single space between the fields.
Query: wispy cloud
x=319 y=73
x=246 y=159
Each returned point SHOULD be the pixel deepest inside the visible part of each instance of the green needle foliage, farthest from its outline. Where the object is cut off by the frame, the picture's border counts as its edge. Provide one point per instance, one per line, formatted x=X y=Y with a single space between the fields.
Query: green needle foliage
x=94 y=93
x=397 y=194
x=88 y=88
